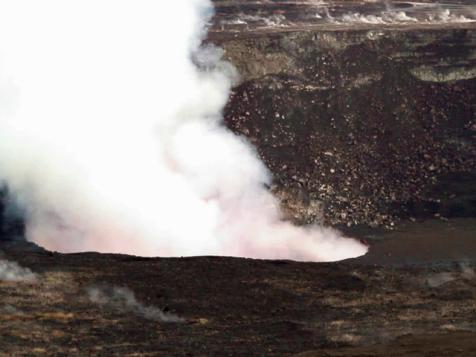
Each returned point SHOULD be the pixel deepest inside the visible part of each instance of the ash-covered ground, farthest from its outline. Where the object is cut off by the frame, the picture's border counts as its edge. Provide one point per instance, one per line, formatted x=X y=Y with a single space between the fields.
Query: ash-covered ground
x=366 y=118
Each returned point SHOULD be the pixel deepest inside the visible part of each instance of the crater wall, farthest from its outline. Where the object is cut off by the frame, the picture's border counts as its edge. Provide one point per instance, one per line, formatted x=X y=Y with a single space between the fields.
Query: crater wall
x=360 y=125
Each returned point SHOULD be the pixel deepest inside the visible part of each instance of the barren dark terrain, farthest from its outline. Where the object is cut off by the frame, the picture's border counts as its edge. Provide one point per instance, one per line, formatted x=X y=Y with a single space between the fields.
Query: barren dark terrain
x=237 y=307
x=367 y=123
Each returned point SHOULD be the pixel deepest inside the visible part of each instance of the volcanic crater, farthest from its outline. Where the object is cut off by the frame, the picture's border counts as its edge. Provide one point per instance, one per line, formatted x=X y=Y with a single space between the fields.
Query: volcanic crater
x=367 y=120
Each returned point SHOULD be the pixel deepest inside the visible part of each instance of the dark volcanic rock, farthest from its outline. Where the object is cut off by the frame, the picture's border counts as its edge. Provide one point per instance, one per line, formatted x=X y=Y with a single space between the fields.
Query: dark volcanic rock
x=368 y=124
x=11 y=222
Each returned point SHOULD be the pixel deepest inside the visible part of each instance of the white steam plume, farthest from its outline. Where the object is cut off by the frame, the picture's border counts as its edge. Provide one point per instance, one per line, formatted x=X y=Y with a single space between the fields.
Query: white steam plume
x=111 y=136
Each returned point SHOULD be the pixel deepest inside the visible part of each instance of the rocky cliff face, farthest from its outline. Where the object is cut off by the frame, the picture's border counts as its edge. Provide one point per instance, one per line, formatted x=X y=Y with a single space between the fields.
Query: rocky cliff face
x=360 y=124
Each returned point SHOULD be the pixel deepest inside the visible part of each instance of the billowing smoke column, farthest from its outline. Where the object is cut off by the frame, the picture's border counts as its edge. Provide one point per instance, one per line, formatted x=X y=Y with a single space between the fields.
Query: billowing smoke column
x=111 y=137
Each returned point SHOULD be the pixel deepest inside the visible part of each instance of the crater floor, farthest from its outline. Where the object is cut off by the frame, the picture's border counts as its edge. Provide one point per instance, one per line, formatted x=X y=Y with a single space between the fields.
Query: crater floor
x=231 y=306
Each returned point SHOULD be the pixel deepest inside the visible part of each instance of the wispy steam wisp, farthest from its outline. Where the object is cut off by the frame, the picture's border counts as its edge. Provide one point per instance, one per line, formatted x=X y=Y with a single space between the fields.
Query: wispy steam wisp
x=11 y=271
x=124 y=300
x=111 y=136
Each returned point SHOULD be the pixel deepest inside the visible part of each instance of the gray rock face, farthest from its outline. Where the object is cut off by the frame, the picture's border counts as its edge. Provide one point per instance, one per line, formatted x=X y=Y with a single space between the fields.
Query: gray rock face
x=359 y=123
